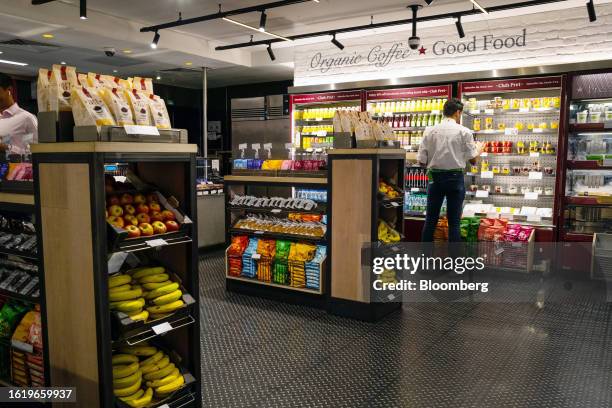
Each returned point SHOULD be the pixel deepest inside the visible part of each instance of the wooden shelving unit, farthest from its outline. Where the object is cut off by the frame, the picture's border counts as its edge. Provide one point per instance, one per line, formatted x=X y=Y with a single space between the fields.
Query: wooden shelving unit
x=70 y=204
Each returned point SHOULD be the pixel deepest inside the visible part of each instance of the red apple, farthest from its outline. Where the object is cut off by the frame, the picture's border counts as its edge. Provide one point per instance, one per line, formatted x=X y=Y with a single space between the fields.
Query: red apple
x=159 y=227
x=156 y=216
x=142 y=209
x=126 y=199
x=143 y=218
x=140 y=199
x=152 y=198
x=133 y=231
x=155 y=207
x=129 y=209
x=116 y=221
x=115 y=210
x=112 y=200
x=131 y=220
x=145 y=229
x=172 y=225
x=168 y=215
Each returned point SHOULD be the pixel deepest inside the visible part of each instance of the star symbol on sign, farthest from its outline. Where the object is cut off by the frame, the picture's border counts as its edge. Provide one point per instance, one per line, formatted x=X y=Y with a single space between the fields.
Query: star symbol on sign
x=422 y=50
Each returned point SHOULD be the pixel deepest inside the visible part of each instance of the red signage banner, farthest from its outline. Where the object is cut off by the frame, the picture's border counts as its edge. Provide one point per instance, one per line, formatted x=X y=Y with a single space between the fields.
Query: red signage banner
x=327 y=97
x=506 y=85
x=442 y=91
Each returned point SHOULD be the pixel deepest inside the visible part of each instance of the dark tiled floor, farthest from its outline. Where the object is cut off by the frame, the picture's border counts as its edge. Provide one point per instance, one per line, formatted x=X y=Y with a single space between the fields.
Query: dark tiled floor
x=260 y=353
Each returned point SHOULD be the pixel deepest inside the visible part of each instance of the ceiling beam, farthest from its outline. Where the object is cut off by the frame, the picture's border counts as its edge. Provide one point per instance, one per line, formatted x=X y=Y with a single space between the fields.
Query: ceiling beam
x=371 y=26
x=219 y=15
x=39 y=2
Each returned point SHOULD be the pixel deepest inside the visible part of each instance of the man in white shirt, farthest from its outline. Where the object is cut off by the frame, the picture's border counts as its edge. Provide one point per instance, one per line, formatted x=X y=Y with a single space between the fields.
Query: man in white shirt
x=18 y=127
x=445 y=150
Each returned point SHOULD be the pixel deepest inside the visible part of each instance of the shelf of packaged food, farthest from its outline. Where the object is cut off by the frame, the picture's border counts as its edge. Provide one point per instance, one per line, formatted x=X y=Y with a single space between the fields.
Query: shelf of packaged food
x=275 y=285
x=526 y=177
x=520 y=112
x=591 y=127
x=589 y=200
x=391 y=114
x=516 y=155
x=18 y=296
x=409 y=128
x=13 y=252
x=318 y=120
x=276 y=180
x=320 y=209
x=503 y=132
x=587 y=165
x=539 y=196
x=277 y=235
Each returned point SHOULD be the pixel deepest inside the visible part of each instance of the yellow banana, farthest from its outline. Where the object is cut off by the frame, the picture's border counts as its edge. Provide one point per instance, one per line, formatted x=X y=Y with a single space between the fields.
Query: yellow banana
x=140 y=315
x=156 y=316
x=142 y=272
x=124 y=359
x=153 y=359
x=149 y=368
x=167 y=308
x=119 y=288
x=171 y=387
x=131 y=306
x=137 y=394
x=155 y=285
x=166 y=380
x=127 y=391
x=160 y=277
x=156 y=375
x=169 y=298
x=125 y=295
x=143 y=351
x=163 y=290
x=122 y=371
x=136 y=286
x=118 y=280
x=143 y=401
x=127 y=381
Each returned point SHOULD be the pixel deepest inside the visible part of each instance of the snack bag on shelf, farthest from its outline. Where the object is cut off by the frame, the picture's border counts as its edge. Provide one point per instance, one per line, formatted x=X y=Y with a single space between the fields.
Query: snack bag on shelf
x=266 y=248
x=140 y=107
x=512 y=232
x=9 y=317
x=42 y=89
x=22 y=332
x=62 y=80
x=280 y=273
x=89 y=109
x=119 y=106
x=99 y=81
x=238 y=245
x=142 y=84
x=525 y=233
x=159 y=112
x=441 y=232
x=313 y=268
x=248 y=263
x=492 y=229
x=35 y=336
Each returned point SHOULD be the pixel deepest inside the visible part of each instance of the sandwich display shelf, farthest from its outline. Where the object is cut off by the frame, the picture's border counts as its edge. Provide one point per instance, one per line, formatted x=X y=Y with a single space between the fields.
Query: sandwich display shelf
x=80 y=251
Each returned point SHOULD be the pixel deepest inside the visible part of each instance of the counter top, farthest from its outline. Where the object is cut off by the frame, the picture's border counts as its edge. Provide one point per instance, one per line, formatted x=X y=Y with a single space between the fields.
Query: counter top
x=381 y=152
x=11 y=198
x=113 y=147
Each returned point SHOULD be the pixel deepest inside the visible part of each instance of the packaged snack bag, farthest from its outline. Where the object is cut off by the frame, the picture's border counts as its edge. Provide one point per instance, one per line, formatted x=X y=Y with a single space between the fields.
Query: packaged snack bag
x=143 y=84
x=512 y=233
x=238 y=245
x=525 y=233
x=9 y=316
x=491 y=229
x=89 y=109
x=441 y=232
x=119 y=106
x=140 y=107
x=42 y=89
x=35 y=336
x=63 y=79
x=159 y=112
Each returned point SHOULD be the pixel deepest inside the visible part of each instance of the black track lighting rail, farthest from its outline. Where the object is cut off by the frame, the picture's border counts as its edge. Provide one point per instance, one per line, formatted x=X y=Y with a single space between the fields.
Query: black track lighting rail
x=370 y=26
x=222 y=14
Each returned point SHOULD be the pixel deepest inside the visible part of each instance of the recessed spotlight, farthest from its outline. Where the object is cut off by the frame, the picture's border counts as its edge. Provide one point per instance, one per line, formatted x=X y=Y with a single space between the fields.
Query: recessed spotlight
x=83 y=9
x=63 y=62
x=127 y=51
x=115 y=71
x=189 y=63
x=158 y=77
x=48 y=36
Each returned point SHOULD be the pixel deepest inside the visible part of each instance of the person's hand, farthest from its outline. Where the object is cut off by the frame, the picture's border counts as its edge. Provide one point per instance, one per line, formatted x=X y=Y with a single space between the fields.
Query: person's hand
x=480 y=147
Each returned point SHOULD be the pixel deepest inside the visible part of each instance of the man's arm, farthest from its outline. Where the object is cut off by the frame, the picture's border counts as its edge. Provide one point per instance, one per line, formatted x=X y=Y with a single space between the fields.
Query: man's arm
x=423 y=154
x=473 y=149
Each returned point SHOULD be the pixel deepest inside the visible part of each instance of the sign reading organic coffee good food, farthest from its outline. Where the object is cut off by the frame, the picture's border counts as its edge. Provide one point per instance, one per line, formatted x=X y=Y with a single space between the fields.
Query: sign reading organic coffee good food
x=549 y=38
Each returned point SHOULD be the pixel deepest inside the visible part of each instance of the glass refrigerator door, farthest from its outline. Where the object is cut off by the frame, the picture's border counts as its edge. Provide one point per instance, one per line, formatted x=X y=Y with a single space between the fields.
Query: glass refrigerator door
x=588 y=208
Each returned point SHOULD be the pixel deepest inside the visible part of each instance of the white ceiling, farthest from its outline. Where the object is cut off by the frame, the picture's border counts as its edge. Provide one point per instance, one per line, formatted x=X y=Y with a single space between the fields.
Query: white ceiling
x=117 y=23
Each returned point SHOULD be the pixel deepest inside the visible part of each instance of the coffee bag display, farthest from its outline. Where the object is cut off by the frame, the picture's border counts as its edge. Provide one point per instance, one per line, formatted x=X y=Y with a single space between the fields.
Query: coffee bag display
x=140 y=107
x=42 y=89
x=63 y=79
x=89 y=109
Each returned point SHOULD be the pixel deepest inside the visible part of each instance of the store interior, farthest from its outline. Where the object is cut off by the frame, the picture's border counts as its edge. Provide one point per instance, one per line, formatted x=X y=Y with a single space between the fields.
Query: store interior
x=194 y=222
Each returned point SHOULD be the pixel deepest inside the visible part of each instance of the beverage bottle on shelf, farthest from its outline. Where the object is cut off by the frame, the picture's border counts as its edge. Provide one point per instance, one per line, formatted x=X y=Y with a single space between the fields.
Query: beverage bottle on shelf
x=395 y=121
x=418 y=105
x=402 y=107
x=412 y=106
x=428 y=105
x=425 y=120
x=402 y=121
x=413 y=120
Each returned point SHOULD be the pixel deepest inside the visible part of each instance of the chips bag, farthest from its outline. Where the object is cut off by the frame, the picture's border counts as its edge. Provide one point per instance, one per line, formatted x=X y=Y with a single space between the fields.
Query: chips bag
x=89 y=109
x=63 y=79
x=9 y=316
x=119 y=106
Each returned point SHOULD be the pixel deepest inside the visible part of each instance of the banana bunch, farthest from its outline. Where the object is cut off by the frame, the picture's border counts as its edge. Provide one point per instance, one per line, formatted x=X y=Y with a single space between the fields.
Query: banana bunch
x=126 y=296
x=162 y=296
x=386 y=233
x=156 y=375
x=387 y=190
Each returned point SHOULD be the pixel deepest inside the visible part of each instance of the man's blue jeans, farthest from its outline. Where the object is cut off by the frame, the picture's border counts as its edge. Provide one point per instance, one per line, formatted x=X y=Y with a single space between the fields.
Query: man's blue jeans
x=450 y=185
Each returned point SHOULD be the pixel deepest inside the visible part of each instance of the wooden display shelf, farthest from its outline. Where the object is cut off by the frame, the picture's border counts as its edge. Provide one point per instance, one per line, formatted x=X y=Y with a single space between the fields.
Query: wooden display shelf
x=113 y=147
x=276 y=235
x=13 y=198
x=275 y=285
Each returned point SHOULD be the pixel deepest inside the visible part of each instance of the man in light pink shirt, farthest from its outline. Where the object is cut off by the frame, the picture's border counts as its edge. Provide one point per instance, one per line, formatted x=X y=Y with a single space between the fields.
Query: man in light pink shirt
x=18 y=127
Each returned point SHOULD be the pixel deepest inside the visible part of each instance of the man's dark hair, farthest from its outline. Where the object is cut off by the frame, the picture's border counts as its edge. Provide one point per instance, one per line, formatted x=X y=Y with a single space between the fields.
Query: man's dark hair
x=452 y=106
x=5 y=81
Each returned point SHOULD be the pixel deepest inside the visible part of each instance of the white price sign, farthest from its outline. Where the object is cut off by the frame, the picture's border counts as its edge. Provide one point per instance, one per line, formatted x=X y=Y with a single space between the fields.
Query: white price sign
x=276 y=211
x=319 y=119
x=484 y=154
x=482 y=194
x=608 y=124
x=474 y=112
x=524 y=110
x=486 y=175
x=141 y=130
x=256 y=146
x=322 y=133
x=154 y=243
x=607 y=162
x=242 y=146
x=394 y=204
x=268 y=146
x=511 y=131
x=161 y=328
x=538 y=130
x=531 y=196
x=435 y=112
x=534 y=218
x=489 y=111
x=535 y=175
x=415 y=189
x=534 y=154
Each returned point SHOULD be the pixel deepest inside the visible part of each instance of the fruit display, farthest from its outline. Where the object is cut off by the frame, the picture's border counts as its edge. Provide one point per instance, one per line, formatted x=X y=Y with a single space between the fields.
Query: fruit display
x=386 y=233
x=268 y=223
x=388 y=190
x=145 y=293
x=144 y=375
x=140 y=215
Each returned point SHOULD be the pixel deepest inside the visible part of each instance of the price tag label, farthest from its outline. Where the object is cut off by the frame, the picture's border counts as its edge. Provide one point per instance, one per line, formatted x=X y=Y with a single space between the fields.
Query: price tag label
x=141 y=130
x=164 y=406
x=288 y=146
x=535 y=175
x=484 y=154
x=482 y=194
x=534 y=154
x=322 y=133
x=319 y=119
x=475 y=112
x=154 y=243
x=534 y=218
x=256 y=146
x=435 y=112
x=511 y=131
x=531 y=196
x=28 y=348
x=268 y=146
x=608 y=124
x=607 y=162
x=524 y=110
x=499 y=251
x=486 y=175
x=276 y=211
x=489 y=111
x=538 y=130
x=162 y=328
x=415 y=189
x=394 y=204
x=256 y=256
x=242 y=146
x=259 y=232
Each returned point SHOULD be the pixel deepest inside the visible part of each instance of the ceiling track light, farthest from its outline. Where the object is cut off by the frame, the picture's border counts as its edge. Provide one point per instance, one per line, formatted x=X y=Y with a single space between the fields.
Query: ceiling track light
x=262 y=21
x=429 y=2
x=591 y=9
x=83 y=9
x=460 y=31
x=229 y=20
x=475 y=3
x=155 y=40
x=336 y=42
x=271 y=53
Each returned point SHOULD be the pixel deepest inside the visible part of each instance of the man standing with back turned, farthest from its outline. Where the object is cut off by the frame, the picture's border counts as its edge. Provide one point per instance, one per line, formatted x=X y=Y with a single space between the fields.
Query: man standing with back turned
x=445 y=150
